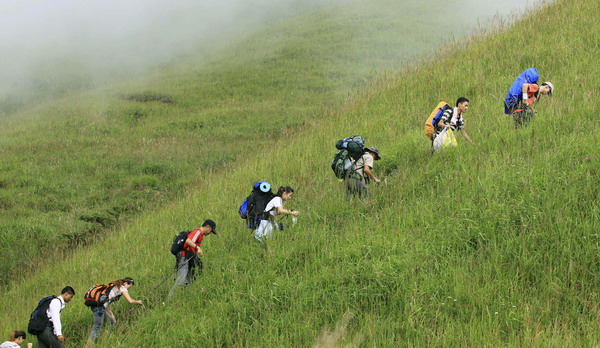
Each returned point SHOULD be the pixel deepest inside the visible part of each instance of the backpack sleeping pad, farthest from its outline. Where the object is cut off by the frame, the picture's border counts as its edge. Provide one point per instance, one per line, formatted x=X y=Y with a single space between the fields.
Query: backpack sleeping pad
x=253 y=207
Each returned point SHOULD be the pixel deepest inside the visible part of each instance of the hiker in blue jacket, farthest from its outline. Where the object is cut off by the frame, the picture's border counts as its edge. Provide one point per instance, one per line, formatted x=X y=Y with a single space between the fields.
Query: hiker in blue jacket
x=525 y=92
x=518 y=90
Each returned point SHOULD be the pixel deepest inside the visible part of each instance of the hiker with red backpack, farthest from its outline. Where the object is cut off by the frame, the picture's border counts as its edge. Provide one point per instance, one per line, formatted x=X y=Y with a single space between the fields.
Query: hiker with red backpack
x=45 y=320
x=273 y=208
x=523 y=94
x=186 y=248
x=99 y=298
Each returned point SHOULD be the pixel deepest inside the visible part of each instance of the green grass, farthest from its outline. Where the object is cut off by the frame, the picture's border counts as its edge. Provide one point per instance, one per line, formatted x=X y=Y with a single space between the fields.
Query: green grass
x=492 y=245
x=76 y=167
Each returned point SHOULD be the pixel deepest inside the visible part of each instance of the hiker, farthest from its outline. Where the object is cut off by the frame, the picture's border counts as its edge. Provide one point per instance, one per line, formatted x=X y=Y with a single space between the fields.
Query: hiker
x=274 y=208
x=15 y=340
x=453 y=119
x=52 y=336
x=187 y=259
x=524 y=92
x=362 y=174
x=114 y=292
x=517 y=93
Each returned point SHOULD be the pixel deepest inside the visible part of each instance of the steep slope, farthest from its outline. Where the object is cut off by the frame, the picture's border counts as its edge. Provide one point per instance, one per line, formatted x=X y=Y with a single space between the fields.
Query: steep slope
x=489 y=245
x=74 y=168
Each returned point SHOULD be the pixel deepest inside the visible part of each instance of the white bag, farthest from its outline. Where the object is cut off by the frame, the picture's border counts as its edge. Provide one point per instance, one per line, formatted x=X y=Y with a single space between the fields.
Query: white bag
x=438 y=142
x=445 y=139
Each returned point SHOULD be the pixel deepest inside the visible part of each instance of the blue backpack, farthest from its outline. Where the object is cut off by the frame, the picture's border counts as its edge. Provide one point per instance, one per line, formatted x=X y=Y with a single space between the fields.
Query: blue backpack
x=39 y=320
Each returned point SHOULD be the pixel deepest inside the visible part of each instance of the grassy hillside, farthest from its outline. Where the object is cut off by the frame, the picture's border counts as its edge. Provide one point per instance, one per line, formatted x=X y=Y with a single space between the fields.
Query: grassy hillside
x=74 y=168
x=494 y=245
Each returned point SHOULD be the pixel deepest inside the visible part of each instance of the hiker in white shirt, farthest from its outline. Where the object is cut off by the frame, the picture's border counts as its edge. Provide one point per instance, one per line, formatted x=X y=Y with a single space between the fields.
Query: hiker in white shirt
x=15 y=340
x=274 y=208
x=119 y=288
x=52 y=336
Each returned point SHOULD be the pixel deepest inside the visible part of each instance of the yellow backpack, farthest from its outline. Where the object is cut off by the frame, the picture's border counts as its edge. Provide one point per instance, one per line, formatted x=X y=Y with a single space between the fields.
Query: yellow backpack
x=434 y=118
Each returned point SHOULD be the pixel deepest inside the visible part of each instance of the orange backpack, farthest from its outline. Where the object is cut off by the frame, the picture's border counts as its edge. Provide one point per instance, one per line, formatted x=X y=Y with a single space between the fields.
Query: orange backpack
x=434 y=118
x=97 y=295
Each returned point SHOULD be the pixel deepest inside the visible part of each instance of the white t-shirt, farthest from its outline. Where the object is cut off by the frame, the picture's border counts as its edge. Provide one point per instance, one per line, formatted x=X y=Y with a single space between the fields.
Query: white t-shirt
x=9 y=344
x=273 y=204
x=114 y=295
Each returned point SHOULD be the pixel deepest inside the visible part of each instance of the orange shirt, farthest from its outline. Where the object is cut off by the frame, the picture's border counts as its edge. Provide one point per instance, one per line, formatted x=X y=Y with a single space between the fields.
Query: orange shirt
x=532 y=94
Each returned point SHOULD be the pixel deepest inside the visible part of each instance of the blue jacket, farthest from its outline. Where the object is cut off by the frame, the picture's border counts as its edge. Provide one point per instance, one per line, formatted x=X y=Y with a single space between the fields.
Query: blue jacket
x=516 y=89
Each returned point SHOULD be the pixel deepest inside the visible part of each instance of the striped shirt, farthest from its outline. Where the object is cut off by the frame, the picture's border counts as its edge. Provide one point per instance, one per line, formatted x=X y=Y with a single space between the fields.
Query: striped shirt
x=451 y=117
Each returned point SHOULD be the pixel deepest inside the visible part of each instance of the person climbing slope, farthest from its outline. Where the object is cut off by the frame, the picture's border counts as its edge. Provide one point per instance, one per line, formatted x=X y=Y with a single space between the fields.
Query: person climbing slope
x=274 y=208
x=100 y=297
x=362 y=174
x=15 y=340
x=187 y=259
x=523 y=94
x=452 y=120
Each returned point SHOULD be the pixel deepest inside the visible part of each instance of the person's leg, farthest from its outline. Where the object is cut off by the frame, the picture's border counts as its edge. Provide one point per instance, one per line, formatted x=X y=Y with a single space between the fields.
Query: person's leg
x=111 y=320
x=182 y=274
x=191 y=274
x=48 y=339
x=350 y=188
x=363 y=189
x=99 y=313
x=264 y=230
x=42 y=341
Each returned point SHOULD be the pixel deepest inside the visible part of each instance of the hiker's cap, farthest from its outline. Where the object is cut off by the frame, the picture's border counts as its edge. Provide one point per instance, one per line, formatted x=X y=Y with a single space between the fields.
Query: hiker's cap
x=549 y=84
x=212 y=224
x=375 y=151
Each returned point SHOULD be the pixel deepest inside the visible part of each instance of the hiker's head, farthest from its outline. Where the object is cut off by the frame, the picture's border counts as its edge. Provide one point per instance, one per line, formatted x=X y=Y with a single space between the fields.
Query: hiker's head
x=285 y=192
x=127 y=282
x=67 y=293
x=209 y=227
x=374 y=152
x=462 y=104
x=17 y=336
x=547 y=88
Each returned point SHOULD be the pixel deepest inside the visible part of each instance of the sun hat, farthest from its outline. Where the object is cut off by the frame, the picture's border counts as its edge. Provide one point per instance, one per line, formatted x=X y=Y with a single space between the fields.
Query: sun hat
x=549 y=84
x=374 y=150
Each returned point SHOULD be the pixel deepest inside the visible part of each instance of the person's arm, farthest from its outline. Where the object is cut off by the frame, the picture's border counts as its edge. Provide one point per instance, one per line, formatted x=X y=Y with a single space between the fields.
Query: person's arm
x=445 y=116
x=54 y=310
x=443 y=124
x=129 y=299
x=525 y=89
x=280 y=210
x=193 y=245
x=466 y=136
x=367 y=170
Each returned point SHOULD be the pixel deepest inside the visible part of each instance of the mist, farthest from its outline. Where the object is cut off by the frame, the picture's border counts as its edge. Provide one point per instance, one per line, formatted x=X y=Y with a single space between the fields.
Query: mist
x=48 y=48
x=51 y=47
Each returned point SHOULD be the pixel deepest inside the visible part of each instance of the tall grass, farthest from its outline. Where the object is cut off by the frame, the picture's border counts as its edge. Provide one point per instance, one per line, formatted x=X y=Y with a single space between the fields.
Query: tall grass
x=491 y=245
x=77 y=167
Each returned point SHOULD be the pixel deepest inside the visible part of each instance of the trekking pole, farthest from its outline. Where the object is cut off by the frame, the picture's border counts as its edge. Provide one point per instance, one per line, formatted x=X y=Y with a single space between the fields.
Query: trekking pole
x=174 y=272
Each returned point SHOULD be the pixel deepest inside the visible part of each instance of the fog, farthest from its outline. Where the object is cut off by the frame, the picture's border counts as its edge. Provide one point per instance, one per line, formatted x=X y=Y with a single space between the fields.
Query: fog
x=50 y=47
